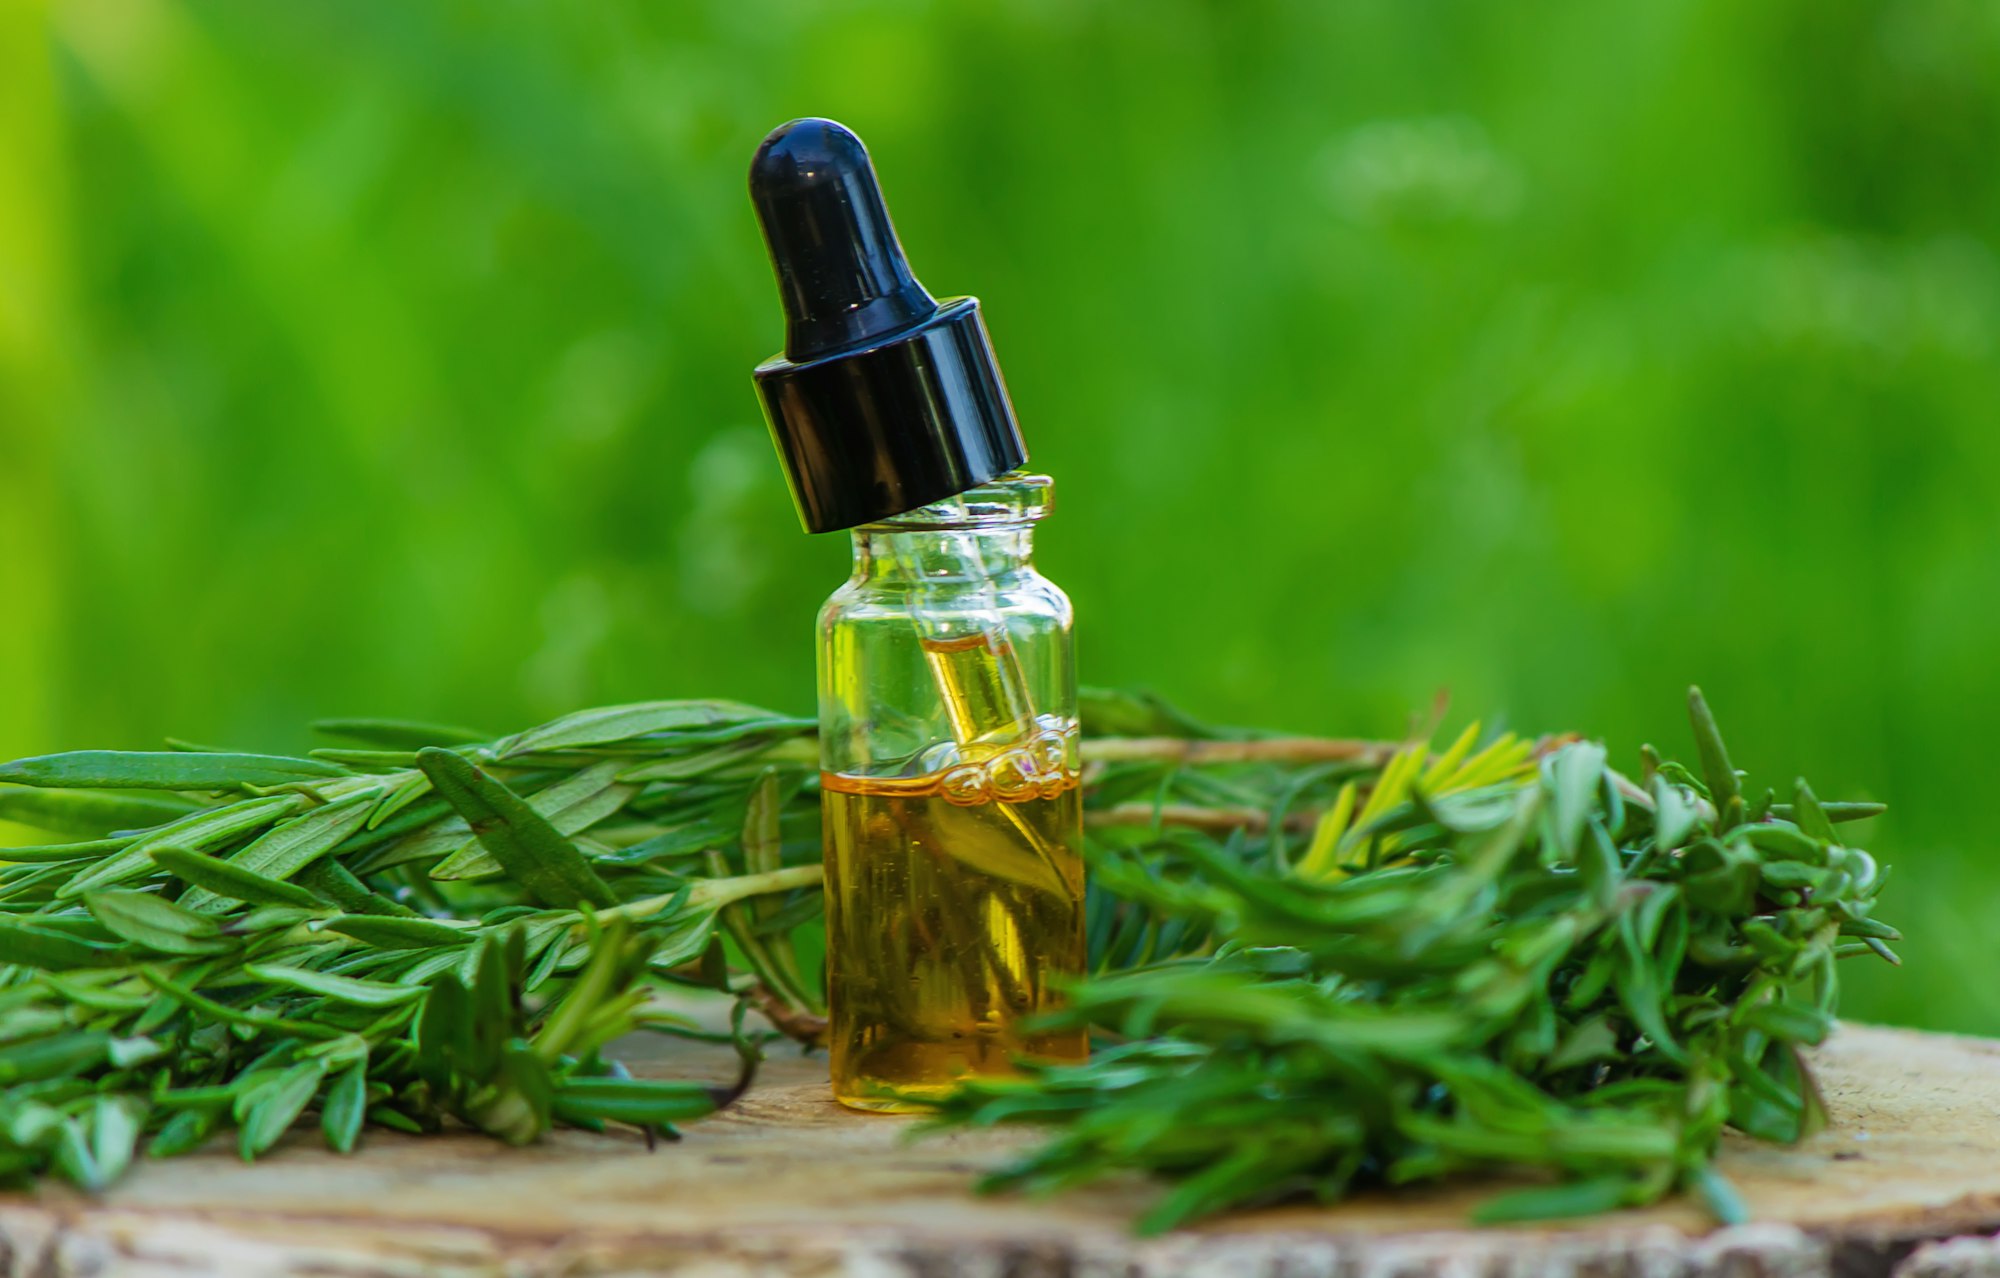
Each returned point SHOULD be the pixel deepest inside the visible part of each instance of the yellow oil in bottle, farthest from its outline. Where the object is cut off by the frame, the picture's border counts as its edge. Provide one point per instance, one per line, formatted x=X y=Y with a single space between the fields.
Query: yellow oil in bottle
x=950 y=913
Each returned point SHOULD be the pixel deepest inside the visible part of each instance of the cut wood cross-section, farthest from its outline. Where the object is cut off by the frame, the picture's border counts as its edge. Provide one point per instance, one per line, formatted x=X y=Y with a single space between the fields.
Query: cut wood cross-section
x=787 y=1183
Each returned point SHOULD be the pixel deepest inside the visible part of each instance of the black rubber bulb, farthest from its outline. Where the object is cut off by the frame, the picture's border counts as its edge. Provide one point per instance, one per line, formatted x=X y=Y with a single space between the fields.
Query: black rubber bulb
x=841 y=272
x=885 y=398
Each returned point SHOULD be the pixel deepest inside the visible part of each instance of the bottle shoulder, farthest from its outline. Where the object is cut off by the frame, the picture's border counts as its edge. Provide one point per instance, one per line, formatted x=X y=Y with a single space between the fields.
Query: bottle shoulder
x=1020 y=592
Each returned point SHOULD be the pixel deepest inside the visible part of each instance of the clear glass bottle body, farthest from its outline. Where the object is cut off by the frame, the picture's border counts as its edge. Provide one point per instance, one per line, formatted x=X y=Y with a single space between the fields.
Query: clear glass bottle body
x=953 y=827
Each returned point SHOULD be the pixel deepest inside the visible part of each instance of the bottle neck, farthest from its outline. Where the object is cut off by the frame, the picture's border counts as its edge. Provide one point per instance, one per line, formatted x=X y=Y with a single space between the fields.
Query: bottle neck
x=980 y=536
x=942 y=557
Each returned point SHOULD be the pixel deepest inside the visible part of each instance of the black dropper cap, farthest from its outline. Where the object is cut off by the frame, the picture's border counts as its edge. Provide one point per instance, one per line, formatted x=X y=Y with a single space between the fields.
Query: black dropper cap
x=885 y=398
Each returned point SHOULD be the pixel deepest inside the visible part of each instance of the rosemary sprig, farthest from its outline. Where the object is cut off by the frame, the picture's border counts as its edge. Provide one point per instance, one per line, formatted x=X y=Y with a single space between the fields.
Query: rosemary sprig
x=1479 y=960
x=427 y=928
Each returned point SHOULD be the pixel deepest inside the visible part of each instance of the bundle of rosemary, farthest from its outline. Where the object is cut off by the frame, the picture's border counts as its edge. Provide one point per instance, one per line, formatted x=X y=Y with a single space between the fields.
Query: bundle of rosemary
x=1514 y=959
x=1316 y=963
x=430 y=925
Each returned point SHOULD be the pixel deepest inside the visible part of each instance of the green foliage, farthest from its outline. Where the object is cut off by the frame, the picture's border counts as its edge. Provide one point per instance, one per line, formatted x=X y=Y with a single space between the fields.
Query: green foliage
x=288 y=937
x=1326 y=961
x=1564 y=971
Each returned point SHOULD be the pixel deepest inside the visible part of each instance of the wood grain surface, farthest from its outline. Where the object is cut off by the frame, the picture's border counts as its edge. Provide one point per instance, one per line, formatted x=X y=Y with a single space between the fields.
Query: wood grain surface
x=787 y=1183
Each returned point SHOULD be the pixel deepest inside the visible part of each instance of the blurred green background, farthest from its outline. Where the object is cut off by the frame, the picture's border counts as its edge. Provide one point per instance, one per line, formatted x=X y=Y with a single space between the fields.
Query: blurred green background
x=393 y=358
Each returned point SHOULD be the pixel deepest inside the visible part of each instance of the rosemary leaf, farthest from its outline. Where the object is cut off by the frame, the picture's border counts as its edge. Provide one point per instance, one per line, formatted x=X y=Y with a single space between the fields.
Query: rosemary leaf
x=224 y=881
x=536 y=854
x=164 y=770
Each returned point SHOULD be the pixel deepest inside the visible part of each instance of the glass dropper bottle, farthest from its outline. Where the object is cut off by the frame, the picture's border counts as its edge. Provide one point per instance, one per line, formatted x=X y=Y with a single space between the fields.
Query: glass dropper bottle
x=947 y=696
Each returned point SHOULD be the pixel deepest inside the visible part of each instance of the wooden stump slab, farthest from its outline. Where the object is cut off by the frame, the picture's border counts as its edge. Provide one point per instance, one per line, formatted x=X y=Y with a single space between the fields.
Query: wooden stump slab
x=788 y=1183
